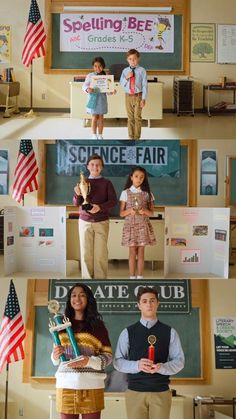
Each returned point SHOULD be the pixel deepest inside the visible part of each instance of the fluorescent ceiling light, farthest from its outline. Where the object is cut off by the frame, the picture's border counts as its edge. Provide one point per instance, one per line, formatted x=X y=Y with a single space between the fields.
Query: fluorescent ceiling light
x=111 y=9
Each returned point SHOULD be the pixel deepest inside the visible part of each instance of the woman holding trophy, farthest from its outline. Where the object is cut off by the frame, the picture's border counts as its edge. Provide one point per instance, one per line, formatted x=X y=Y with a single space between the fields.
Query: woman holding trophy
x=80 y=382
x=95 y=196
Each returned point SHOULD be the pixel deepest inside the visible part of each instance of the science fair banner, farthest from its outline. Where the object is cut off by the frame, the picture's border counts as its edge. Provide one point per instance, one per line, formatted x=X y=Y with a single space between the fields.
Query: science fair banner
x=116 y=32
x=158 y=157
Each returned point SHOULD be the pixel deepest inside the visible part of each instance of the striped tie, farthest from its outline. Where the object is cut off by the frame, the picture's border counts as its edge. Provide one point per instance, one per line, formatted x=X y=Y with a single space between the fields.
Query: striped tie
x=132 y=83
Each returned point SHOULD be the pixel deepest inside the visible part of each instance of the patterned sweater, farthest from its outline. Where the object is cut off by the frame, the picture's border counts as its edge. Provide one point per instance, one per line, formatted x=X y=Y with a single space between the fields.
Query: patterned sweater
x=94 y=344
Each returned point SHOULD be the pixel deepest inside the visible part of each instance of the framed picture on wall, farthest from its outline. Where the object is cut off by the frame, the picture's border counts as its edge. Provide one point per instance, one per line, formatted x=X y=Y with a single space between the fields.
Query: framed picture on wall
x=4 y=172
x=208 y=172
x=202 y=42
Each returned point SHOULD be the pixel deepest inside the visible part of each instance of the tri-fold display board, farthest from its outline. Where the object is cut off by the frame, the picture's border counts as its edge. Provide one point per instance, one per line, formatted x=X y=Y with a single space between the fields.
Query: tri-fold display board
x=196 y=242
x=35 y=239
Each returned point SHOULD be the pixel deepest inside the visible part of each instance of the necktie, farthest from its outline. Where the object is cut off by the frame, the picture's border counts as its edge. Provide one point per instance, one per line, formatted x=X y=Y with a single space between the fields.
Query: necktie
x=132 y=83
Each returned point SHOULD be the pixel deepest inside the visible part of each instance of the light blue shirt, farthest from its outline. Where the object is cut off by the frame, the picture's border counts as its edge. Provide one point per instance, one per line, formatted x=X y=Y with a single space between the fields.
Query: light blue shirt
x=174 y=364
x=140 y=81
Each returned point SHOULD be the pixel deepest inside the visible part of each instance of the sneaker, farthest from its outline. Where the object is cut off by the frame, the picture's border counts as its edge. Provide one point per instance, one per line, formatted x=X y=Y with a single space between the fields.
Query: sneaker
x=94 y=137
x=132 y=277
x=100 y=137
x=139 y=277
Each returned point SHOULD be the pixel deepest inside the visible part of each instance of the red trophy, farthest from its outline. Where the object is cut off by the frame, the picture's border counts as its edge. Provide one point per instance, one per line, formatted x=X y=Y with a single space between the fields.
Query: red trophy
x=151 y=349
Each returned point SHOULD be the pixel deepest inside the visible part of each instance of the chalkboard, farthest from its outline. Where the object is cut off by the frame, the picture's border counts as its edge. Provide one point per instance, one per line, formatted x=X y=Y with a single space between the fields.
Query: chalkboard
x=83 y=60
x=167 y=190
x=232 y=181
x=187 y=326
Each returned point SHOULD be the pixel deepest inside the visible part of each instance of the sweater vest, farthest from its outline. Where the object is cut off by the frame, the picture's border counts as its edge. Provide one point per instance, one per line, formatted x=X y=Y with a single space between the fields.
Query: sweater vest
x=138 y=341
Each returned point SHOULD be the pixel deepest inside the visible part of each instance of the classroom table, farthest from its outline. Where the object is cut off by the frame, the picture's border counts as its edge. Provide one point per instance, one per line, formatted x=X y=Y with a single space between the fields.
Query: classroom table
x=116 y=103
x=9 y=92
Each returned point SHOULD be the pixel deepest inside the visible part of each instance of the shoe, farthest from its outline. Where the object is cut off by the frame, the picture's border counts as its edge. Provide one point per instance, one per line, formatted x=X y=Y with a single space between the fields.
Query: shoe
x=100 y=137
x=139 y=277
x=132 y=277
x=94 y=137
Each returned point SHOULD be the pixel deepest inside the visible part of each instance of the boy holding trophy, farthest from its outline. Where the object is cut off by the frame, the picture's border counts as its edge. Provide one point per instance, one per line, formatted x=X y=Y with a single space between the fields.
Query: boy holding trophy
x=95 y=196
x=80 y=382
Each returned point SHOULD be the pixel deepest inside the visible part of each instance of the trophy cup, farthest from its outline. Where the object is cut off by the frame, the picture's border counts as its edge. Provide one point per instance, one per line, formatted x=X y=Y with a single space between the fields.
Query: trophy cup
x=151 y=349
x=59 y=323
x=85 y=190
x=136 y=203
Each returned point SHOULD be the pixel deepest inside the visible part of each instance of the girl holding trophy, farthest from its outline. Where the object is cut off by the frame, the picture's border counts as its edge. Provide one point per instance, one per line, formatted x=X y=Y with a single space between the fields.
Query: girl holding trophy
x=80 y=383
x=95 y=196
x=136 y=205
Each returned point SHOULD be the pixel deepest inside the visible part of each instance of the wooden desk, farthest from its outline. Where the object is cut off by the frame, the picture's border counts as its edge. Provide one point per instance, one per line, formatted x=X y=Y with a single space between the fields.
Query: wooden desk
x=199 y=403
x=214 y=87
x=9 y=90
x=116 y=103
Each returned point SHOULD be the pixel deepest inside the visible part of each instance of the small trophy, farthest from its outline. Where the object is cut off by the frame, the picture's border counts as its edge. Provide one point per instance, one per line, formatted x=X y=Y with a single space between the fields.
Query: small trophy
x=85 y=188
x=136 y=204
x=151 y=349
x=59 y=323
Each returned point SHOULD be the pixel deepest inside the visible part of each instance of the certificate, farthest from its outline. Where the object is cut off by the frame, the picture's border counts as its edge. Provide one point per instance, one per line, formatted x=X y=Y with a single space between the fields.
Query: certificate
x=105 y=84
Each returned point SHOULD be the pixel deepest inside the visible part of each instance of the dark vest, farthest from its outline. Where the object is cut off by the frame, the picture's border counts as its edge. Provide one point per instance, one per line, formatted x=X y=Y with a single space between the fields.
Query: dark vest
x=138 y=335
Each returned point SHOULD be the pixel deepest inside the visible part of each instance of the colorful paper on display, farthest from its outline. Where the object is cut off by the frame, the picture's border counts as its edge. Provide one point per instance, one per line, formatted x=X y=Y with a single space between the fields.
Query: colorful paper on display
x=117 y=32
x=158 y=157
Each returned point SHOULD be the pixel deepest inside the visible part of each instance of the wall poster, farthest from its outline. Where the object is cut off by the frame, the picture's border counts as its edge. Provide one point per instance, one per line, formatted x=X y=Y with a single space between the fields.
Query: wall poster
x=202 y=37
x=225 y=342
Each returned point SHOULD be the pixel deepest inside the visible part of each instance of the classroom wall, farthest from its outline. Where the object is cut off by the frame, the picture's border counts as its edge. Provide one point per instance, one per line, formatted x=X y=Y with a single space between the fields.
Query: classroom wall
x=56 y=87
x=224 y=147
x=33 y=398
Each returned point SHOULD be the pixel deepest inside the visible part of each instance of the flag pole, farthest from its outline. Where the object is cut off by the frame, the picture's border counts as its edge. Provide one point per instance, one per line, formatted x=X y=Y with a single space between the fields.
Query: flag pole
x=6 y=392
x=31 y=113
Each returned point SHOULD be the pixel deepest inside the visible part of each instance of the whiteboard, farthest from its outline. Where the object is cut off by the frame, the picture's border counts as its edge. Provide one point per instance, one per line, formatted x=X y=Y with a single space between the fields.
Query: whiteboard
x=226 y=44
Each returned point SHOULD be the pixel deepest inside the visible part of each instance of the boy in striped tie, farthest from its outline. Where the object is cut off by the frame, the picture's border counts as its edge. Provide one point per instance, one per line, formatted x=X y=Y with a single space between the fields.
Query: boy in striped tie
x=134 y=81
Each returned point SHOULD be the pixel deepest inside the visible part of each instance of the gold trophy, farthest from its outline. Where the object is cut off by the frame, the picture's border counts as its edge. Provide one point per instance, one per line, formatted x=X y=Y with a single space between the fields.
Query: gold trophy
x=136 y=204
x=85 y=188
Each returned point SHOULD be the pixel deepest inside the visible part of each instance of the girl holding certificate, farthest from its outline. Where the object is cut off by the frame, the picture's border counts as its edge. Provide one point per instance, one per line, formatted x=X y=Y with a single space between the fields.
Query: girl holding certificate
x=97 y=102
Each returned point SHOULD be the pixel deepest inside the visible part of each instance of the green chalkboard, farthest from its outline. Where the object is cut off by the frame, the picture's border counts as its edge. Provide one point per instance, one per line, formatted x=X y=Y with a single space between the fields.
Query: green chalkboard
x=187 y=326
x=233 y=182
x=167 y=190
x=83 y=60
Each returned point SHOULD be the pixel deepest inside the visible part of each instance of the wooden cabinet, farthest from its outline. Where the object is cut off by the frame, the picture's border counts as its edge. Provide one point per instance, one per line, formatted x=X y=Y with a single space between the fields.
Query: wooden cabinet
x=116 y=103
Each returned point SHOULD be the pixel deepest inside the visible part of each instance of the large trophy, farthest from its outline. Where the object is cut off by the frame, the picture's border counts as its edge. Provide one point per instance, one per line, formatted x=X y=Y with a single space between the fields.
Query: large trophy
x=85 y=188
x=59 y=323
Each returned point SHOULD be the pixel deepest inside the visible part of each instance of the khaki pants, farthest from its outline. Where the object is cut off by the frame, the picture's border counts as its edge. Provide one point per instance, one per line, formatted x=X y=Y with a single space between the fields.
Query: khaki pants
x=148 y=405
x=134 y=113
x=93 y=249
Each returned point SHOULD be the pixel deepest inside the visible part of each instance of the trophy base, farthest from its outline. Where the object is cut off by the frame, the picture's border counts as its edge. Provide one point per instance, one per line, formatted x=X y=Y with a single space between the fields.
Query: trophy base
x=87 y=207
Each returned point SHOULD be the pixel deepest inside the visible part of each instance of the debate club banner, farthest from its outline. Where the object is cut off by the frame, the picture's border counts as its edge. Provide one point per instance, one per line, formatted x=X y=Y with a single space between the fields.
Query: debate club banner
x=117 y=32
x=158 y=157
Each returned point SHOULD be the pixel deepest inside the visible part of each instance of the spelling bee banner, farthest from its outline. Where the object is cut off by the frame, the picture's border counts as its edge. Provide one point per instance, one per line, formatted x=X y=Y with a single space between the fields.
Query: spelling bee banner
x=117 y=32
x=158 y=157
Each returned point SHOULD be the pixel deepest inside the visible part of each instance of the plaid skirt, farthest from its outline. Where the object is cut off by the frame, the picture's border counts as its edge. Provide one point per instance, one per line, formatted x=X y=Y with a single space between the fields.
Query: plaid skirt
x=138 y=231
x=74 y=402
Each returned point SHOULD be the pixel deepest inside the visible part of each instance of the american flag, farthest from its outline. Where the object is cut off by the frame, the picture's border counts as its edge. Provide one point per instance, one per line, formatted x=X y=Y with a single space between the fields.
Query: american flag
x=35 y=36
x=25 y=172
x=12 y=332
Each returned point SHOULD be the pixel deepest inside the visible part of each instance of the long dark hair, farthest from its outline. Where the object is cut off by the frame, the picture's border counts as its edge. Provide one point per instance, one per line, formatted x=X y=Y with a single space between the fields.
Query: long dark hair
x=91 y=315
x=145 y=185
x=101 y=61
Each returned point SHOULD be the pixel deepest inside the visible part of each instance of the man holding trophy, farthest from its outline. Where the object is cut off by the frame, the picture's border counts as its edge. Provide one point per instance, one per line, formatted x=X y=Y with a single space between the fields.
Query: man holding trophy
x=95 y=196
x=83 y=355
